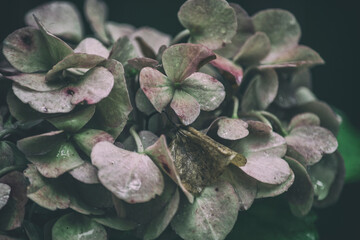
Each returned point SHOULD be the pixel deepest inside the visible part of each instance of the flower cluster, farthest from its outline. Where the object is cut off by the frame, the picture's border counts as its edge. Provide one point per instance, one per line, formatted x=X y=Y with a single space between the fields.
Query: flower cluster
x=133 y=131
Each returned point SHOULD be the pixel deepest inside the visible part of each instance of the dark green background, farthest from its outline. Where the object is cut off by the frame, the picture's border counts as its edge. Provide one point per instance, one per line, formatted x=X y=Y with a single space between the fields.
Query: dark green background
x=332 y=28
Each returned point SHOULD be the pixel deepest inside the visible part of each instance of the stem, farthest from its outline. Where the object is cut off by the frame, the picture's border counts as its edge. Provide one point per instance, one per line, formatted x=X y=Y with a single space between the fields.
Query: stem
x=6 y=170
x=179 y=36
x=273 y=118
x=140 y=147
x=236 y=108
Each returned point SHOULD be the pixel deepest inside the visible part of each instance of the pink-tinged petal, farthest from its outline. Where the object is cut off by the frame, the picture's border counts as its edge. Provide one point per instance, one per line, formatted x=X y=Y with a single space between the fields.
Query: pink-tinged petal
x=207 y=91
x=230 y=67
x=157 y=87
x=185 y=106
x=181 y=60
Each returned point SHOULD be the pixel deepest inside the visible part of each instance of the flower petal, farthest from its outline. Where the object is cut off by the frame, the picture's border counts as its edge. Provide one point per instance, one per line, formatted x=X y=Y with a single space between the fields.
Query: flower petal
x=282 y=29
x=207 y=91
x=60 y=18
x=181 y=60
x=201 y=17
x=185 y=106
x=157 y=87
x=130 y=176
x=261 y=91
x=92 y=46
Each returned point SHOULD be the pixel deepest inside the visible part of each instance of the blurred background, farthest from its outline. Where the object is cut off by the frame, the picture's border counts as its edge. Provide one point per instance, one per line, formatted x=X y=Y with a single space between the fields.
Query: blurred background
x=332 y=28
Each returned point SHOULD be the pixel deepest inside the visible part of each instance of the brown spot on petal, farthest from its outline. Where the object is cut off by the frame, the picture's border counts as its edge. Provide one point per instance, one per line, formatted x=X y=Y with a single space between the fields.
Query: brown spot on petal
x=27 y=41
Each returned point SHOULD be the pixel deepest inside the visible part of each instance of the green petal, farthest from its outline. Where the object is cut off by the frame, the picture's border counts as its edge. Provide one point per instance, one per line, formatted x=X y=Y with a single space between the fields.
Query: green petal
x=92 y=46
x=244 y=186
x=26 y=50
x=57 y=48
x=308 y=144
x=47 y=194
x=157 y=87
x=232 y=129
x=115 y=222
x=254 y=49
x=261 y=91
x=123 y=50
x=74 y=60
x=245 y=29
x=36 y=82
x=282 y=29
x=147 y=139
x=142 y=62
x=12 y=214
x=185 y=106
x=201 y=17
x=60 y=18
x=230 y=67
x=211 y=216
x=74 y=121
x=145 y=213
x=160 y=154
x=41 y=144
x=301 y=193
x=162 y=220
x=207 y=91
x=113 y=111
x=96 y=13
x=181 y=60
x=143 y=103
x=4 y=194
x=87 y=138
x=130 y=176
x=61 y=159
x=75 y=226
x=298 y=56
